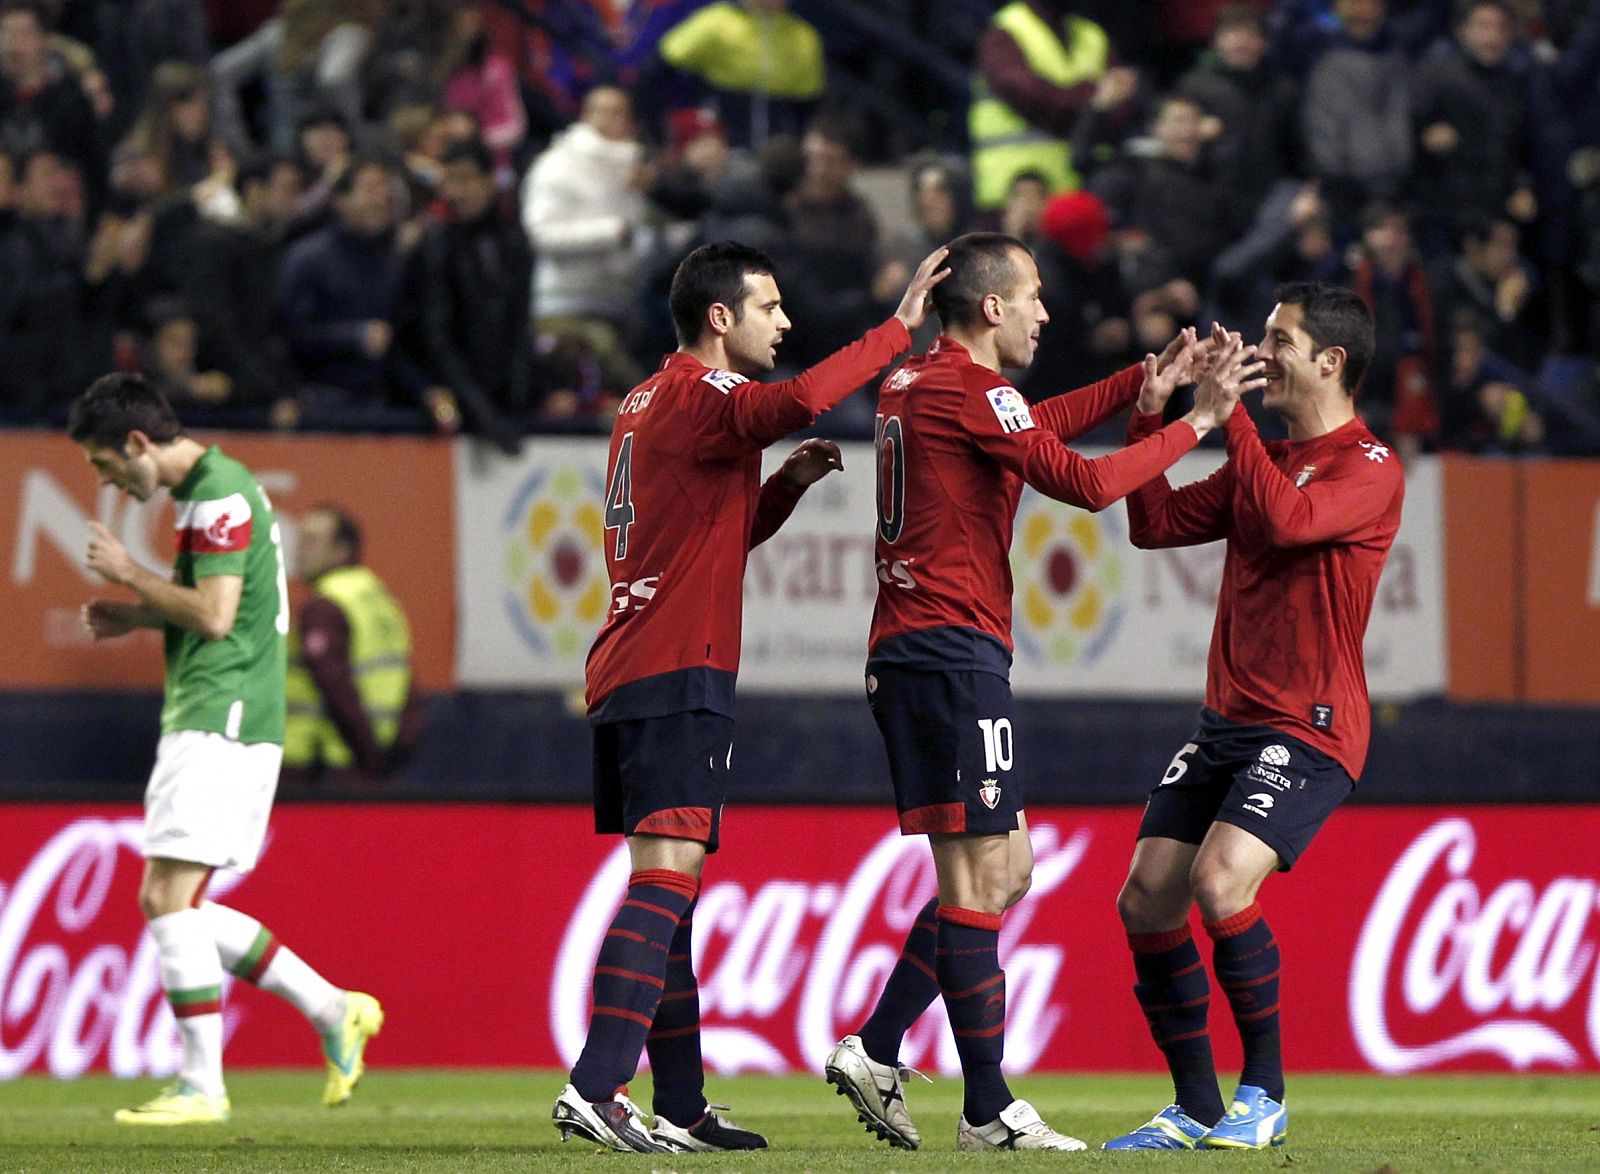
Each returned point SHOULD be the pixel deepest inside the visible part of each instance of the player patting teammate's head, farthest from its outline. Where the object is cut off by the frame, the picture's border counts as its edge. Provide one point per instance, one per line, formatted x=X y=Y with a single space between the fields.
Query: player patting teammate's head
x=1319 y=341
x=118 y=423
x=724 y=294
x=993 y=287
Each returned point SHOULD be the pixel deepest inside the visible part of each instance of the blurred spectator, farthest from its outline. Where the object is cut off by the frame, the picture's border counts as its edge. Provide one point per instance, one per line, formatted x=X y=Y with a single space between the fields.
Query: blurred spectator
x=1487 y=405
x=174 y=128
x=353 y=713
x=311 y=53
x=1171 y=216
x=833 y=247
x=759 y=66
x=483 y=82
x=232 y=284
x=476 y=273
x=339 y=297
x=1357 y=115
x=1397 y=397
x=169 y=360
x=1090 y=332
x=1290 y=240
x=582 y=207
x=1469 y=104
x=52 y=328
x=132 y=38
x=941 y=210
x=324 y=146
x=417 y=130
x=1251 y=110
x=42 y=107
x=1040 y=66
x=1489 y=276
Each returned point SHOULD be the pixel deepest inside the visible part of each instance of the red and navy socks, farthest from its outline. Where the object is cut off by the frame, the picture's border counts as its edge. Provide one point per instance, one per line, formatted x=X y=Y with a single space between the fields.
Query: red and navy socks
x=912 y=986
x=1245 y=956
x=673 y=1043
x=1175 y=995
x=629 y=979
x=967 y=961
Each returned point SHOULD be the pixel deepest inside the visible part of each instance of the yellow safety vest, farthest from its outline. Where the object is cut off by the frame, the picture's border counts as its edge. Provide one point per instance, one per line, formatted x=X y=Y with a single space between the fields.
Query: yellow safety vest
x=1004 y=143
x=380 y=657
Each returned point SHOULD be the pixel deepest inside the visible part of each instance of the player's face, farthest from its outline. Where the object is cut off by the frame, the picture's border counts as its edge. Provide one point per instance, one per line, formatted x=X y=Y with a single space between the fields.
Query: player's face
x=1291 y=366
x=752 y=342
x=317 y=549
x=1022 y=314
x=131 y=469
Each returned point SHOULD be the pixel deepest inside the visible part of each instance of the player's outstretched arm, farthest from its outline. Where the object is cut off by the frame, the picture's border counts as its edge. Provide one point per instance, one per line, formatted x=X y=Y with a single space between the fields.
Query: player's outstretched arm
x=781 y=492
x=754 y=415
x=208 y=608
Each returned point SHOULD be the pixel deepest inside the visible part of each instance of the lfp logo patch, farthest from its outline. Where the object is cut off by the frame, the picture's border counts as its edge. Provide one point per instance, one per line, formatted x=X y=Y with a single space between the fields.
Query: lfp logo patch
x=1069 y=581
x=1010 y=409
x=556 y=586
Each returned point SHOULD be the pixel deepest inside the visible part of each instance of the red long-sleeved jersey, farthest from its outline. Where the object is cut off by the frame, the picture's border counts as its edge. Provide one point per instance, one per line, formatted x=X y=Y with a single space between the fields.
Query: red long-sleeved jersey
x=1308 y=525
x=684 y=506
x=955 y=445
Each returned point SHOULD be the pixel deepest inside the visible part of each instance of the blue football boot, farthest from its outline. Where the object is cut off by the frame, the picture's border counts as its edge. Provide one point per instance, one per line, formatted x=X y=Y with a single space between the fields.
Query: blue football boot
x=1170 y=1129
x=1254 y=1122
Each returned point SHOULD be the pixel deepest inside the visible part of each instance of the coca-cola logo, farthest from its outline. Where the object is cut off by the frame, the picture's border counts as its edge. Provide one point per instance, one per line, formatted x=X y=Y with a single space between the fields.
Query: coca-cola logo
x=1439 y=950
x=809 y=958
x=80 y=982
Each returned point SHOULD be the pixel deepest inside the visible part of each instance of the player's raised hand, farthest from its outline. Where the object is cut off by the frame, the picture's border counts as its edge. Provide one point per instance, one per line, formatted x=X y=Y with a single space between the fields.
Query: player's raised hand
x=813 y=461
x=1165 y=373
x=1235 y=372
x=107 y=557
x=106 y=619
x=913 y=309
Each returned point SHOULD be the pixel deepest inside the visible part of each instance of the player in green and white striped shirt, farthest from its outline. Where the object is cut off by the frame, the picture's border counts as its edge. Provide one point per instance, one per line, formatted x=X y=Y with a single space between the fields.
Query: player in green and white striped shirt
x=225 y=615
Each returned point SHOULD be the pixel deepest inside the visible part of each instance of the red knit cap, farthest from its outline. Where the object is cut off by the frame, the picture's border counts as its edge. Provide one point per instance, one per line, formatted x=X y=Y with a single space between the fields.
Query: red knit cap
x=1078 y=223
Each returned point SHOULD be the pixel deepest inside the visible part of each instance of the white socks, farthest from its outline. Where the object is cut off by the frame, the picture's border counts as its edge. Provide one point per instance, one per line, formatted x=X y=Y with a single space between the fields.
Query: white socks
x=191 y=973
x=250 y=951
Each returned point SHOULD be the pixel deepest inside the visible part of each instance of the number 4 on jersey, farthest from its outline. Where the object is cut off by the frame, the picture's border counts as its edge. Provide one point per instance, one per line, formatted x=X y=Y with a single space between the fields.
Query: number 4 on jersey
x=619 y=496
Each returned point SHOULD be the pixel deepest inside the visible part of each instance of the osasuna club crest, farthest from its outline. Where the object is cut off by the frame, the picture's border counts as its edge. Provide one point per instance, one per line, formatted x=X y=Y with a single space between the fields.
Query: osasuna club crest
x=1304 y=475
x=989 y=792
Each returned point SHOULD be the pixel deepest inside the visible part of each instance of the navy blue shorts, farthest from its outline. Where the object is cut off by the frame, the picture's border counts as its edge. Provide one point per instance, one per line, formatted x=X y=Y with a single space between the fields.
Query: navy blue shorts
x=663 y=776
x=1275 y=787
x=952 y=749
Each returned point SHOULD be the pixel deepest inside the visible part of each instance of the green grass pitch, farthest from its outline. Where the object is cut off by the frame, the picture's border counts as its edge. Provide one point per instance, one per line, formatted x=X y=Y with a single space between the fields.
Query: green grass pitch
x=495 y=1120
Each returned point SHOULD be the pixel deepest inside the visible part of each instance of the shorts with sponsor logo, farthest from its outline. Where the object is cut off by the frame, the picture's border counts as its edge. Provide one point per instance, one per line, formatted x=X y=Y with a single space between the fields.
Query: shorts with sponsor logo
x=663 y=776
x=952 y=749
x=209 y=799
x=1270 y=784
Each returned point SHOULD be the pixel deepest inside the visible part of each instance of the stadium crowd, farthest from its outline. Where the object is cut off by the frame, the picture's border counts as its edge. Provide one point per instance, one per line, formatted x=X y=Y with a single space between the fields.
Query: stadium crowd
x=432 y=215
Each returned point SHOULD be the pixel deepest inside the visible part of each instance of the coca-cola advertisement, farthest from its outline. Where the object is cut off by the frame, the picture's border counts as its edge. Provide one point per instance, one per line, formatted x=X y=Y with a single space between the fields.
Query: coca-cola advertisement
x=1414 y=939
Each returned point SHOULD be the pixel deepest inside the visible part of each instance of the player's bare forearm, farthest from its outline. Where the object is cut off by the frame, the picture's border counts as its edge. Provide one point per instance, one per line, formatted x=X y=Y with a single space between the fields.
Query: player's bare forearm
x=205 y=609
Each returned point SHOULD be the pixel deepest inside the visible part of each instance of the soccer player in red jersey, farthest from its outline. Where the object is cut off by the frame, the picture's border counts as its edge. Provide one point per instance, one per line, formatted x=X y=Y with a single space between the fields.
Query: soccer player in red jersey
x=684 y=506
x=955 y=445
x=1283 y=735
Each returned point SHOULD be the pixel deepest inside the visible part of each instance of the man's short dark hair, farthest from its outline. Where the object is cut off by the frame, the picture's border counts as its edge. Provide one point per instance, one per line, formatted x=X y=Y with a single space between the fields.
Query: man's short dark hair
x=473 y=151
x=118 y=404
x=712 y=273
x=346 y=531
x=1333 y=316
x=980 y=264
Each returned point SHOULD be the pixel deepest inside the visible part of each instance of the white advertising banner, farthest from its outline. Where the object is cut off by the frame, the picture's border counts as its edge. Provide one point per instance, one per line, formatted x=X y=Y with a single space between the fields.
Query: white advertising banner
x=1093 y=615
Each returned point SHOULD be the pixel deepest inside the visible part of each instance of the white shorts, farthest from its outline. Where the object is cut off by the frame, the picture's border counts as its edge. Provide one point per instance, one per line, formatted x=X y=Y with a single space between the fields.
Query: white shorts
x=209 y=799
